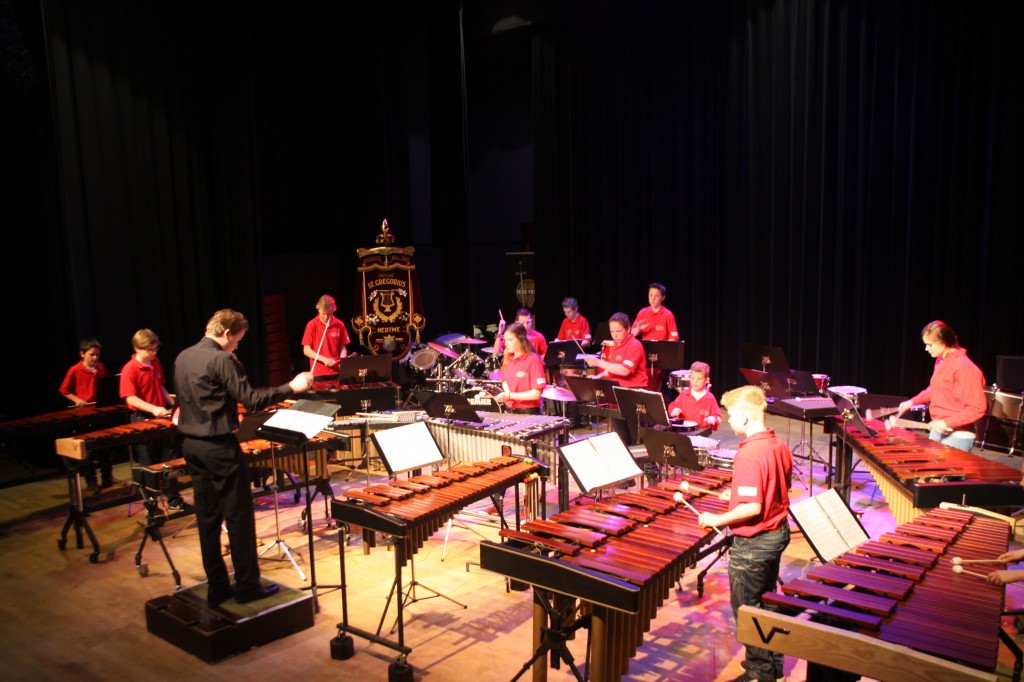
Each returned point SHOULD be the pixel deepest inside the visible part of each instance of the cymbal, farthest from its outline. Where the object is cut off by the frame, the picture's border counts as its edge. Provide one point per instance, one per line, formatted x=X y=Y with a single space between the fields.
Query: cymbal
x=443 y=350
x=469 y=341
x=559 y=394
x=487 y=349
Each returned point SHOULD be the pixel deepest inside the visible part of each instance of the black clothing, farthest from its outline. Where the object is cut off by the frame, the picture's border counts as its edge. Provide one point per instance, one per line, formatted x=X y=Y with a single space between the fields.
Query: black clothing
x=209 y=384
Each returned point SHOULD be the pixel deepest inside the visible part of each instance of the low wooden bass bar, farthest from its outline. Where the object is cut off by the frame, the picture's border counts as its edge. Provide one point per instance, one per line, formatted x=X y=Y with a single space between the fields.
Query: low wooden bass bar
x=896 y=608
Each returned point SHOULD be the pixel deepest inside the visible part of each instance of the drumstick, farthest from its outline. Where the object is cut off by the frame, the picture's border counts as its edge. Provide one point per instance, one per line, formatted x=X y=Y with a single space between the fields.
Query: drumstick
x=678 y=497
x=957 y=561
x=960 y=569
x=686 y=487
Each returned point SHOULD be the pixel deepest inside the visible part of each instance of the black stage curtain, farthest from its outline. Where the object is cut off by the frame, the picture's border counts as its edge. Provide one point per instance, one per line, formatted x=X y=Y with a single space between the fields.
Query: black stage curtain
x=158 y=228
x=826 y=176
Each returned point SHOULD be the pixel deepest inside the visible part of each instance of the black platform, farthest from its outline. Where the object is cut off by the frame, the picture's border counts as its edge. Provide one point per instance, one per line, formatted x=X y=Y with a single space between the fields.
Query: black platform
x=185 y=620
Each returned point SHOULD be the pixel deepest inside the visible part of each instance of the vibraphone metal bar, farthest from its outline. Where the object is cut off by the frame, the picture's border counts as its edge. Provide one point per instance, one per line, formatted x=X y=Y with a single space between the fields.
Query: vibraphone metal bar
x=531 y=435
x=620 y=556
x=907 y=614
x=916 y=474
x=411 y=510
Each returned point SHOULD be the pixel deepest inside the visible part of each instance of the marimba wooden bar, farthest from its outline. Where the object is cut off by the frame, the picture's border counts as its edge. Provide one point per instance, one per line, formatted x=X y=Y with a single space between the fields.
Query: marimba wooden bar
x=619 y=556
x=906 y=615
x=916 y=474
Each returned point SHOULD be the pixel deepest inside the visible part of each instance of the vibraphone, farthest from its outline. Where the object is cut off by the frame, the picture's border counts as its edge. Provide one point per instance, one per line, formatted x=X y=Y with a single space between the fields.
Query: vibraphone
x=916 y=474
x=533 y=435
x=906 y=614
x=410 y=511
x=619 y=556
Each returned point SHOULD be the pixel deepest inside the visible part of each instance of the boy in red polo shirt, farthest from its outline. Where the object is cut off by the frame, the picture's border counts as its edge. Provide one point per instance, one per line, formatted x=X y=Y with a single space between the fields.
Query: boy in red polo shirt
x=758 y=516
x=79 y=386
x=144 y=392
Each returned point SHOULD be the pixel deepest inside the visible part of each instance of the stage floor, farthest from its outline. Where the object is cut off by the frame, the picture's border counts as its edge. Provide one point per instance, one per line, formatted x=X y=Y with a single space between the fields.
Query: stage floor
x=63 y=616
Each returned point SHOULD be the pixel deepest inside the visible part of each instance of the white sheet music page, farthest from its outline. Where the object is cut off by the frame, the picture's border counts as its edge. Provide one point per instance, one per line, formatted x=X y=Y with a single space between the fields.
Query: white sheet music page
x=828 y=524
x=599 y=461
x=306 y=423
x=408 y=447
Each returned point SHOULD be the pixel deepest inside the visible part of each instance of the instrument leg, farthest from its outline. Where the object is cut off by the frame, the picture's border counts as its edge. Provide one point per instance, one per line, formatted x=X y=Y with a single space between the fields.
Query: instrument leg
x=552 y=636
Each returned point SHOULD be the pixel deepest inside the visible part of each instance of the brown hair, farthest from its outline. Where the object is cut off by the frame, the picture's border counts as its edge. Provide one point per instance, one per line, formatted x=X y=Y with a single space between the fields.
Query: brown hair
x=941 y=331
x=226 y=320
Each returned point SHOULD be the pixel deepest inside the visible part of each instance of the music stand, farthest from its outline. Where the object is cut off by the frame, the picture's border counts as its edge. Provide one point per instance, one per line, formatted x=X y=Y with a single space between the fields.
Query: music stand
x=848 y=411
x=801 y=382
x=295 y=426
x=599 y=462
x=671 y=449
x=363 y=369
x=596 y=391
x=640 y=407
x=664 y=354
x=402 y=449
x=774 y=384
x=765 y=357
x=451 y=407
x=563 y=354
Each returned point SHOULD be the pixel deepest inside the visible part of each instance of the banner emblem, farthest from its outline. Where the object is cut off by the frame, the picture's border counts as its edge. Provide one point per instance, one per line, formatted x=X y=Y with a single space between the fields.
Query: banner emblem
x=389 y=315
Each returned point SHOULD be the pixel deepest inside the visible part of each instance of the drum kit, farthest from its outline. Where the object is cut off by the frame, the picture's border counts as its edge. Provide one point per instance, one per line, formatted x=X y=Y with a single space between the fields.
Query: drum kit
x=450 y=365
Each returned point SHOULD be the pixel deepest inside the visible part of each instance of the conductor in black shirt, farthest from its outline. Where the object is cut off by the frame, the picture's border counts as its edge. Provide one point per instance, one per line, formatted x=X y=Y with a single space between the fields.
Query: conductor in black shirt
x=210 y=382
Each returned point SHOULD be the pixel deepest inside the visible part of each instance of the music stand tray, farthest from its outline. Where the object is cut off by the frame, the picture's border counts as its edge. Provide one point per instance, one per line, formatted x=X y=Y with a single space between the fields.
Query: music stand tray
x=668 y=448
x=774 y=384
x=766 y=357
x=363 y=369
x=639 y=406
x=563 y=354
x=664 y=354
x=599 y=391
x=452 y=406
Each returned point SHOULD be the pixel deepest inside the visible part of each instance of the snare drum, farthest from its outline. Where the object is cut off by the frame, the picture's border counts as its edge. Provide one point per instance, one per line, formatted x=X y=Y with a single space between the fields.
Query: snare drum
x=721 y=459
x=821 y=381
x=702 y=445
x=681 y=426
x=679 y=379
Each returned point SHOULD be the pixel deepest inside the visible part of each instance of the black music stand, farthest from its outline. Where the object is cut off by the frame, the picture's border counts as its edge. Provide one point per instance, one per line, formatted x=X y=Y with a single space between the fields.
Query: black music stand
x=640 y=407
x=774 y=384
x=670 y=449
x=766 y=357
x=850 y=415
x=295 y=426
x=666 y=355
x=451 y=407
x=562 y=354
x=408 y=448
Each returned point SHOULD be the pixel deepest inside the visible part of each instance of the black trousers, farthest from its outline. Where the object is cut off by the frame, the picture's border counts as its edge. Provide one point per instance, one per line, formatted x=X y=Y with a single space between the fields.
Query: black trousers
x=223 y=493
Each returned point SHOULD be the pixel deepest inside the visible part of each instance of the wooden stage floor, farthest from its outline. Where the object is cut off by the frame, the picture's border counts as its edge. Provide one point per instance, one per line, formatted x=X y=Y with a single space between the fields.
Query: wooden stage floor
x=64 y=617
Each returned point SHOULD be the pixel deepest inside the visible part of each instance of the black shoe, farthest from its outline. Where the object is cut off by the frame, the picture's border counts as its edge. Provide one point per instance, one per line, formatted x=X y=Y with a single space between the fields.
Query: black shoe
x=262 y=593
x=91 y=487
x=113 y=483
x=179 y=505
x=216 y=597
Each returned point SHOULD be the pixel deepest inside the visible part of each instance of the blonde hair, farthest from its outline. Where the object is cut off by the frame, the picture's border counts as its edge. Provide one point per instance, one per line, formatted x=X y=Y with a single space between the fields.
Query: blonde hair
x=749 y=399
x=702 y=367
x=145 y=339
x=326 y=304
x=226 y=320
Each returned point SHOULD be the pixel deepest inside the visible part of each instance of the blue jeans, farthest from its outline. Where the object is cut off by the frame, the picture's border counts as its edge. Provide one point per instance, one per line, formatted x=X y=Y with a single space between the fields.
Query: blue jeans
x=754 y=570
x=961 y=440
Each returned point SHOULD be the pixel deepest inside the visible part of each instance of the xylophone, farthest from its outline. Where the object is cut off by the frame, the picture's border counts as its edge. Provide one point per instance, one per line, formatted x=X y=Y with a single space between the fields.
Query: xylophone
x=916 y=474
x=620 y=556
x=533 y=435
x=79 y=447
x=410 y=511
x=57 y=424
x=899 y=610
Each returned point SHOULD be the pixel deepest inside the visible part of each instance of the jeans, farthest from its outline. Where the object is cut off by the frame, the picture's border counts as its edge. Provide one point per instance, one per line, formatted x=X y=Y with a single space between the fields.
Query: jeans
x=754 y=570
x=961 y=440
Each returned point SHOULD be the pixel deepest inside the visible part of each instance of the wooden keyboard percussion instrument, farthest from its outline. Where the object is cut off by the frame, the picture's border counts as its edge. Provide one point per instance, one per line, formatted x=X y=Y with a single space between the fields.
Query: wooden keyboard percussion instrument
x=63 y=423
x=897 y=608
x=619 y=556
x=410 y=511
x=79 y=447
x=916 y=474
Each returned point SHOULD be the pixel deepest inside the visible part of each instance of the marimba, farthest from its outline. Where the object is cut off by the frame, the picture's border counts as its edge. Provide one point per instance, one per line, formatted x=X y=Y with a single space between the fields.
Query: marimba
x=410 y=511
x=57 y=424
x=899 y=610
x=916 y=474
x=134 y=433
x=620 y=556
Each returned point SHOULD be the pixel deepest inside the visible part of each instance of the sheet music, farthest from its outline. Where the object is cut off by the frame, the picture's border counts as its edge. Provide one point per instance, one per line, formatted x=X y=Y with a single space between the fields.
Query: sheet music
x=828 y=524
x=407 y=447
x=600 y=461
x=306 y=423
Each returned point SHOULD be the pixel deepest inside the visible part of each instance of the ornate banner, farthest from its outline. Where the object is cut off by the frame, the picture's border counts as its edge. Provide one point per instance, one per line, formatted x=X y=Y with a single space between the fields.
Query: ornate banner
x=389 y=309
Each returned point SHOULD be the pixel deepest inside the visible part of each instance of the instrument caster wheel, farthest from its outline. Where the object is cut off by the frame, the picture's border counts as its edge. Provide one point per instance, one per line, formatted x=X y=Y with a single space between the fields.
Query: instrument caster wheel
x=400 y=671
x=342 y=648
x=94 y=558
x=62 y=545
x=143 y=569
x=302 y=522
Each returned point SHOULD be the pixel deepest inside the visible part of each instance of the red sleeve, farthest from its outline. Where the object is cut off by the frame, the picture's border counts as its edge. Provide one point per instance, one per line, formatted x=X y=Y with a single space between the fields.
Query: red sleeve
x=68 y=385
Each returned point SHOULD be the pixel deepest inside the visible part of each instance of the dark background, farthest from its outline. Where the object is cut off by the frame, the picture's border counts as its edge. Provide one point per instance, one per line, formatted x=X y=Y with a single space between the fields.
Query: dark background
x=823 y=176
